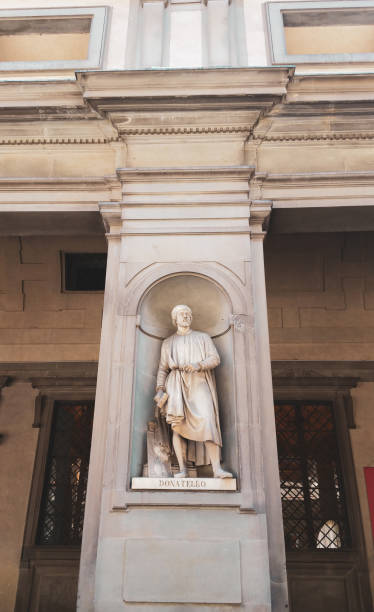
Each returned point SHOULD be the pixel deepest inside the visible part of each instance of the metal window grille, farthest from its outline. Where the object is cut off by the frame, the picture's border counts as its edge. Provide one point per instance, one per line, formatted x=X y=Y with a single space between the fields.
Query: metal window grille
x=314 y=510
x=64 y=494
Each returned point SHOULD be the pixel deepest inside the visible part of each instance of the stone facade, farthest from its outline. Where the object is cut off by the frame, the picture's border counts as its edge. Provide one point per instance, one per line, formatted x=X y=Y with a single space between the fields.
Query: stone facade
x=187 y=155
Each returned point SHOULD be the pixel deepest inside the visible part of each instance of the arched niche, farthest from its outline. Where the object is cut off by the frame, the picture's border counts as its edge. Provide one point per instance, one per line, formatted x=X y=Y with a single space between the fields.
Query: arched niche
x=212 y=310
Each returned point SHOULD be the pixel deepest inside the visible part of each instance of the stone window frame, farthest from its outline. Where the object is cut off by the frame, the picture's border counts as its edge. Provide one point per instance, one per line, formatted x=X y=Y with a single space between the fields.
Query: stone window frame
x=63 y=288
x=277 y=40
x=96 y=39
x=331 y=382
x=68 y=381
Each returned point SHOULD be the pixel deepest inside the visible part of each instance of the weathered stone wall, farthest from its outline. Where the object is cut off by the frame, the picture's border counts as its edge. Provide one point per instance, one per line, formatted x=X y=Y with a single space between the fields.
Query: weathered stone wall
x=321 y=307
x=38 y=322
x=321 y=296
x=17 y=459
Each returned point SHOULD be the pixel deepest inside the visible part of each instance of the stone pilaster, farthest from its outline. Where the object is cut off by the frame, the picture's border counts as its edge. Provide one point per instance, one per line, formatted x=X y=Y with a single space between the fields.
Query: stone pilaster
x=259 y=219
x=111 y=214
x=189 y=235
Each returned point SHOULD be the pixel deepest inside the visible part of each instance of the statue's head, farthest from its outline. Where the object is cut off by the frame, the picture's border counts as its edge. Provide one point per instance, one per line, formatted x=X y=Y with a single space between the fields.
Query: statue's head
x=181 y=315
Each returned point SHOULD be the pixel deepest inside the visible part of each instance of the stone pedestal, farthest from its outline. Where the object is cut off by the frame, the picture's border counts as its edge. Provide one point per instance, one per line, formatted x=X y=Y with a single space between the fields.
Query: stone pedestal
x=183 y=236
x=184 y=484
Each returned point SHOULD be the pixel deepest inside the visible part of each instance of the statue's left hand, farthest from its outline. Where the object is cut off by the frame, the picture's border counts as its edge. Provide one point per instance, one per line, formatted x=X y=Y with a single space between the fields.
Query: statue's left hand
x=192 y=367
x=158 y=397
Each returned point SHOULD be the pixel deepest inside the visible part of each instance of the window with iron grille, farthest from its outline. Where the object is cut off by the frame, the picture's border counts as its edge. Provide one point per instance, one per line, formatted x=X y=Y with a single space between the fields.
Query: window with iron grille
x=312 y=490
x=64 y=493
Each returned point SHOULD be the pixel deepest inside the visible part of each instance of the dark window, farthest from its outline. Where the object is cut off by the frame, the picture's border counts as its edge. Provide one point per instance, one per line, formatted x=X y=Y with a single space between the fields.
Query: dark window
x=64 y=494
x=314 y=510
x=85 y=271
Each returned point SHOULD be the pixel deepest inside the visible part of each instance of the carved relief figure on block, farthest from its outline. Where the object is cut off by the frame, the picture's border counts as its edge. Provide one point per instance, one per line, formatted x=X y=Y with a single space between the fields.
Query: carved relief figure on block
x=186 y=395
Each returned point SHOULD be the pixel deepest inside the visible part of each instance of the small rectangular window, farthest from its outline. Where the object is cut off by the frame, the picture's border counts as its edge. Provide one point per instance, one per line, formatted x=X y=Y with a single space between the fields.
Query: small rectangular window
x=313 y=502
x=84 y=271
x=321 y=31
x=54 y=38
x=64 y=494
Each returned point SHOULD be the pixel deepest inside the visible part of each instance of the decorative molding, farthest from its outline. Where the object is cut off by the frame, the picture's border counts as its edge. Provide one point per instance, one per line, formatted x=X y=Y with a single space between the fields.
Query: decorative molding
x=325 y=379
x=84 y=183
x=239 y=323
x=259 y=217
x=314 y=189
x=112 y=85
x=111 y=214
x=315 y=138
x=331 y=88
x=49 y=374
x=344 y=373
x=189 y=173
x=58 y=140
x=216 y=129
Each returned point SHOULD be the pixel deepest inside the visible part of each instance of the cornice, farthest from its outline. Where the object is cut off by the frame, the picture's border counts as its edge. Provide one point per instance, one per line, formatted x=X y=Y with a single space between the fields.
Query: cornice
x=48 y=371
x=111 y=214
x=42 y=100
x=331 y=88
x=219 y=129
x=315 y=189
x=176 y=102
x=184 y=82
x=315 y=138
x=348 y=372
x=77 y=140
x=365 y=177
x=58 y=183
x=259 y=216
x=188 y=102
x=198 y=173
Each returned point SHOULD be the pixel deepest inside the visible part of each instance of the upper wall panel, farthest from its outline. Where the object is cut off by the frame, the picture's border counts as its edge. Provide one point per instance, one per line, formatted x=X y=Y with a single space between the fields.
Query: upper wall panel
x=53 y=38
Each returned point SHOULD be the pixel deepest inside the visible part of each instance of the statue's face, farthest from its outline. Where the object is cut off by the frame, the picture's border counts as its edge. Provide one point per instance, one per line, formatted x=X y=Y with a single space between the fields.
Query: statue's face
x=184 y=318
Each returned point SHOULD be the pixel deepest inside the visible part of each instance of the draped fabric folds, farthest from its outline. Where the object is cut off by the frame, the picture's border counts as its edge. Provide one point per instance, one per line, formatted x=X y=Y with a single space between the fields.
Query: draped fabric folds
x=192 y=405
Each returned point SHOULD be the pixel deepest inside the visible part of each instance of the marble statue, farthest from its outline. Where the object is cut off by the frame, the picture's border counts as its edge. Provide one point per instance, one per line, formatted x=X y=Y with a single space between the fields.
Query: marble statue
x=186 y=394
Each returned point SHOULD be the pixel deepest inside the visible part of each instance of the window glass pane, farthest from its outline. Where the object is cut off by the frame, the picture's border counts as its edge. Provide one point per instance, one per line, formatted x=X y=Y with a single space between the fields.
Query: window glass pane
x=64 y=494
x=314 y=512
x=85 y=271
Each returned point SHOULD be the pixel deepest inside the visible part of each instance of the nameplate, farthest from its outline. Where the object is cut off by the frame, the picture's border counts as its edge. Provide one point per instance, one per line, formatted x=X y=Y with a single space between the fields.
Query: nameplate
x=184 y=484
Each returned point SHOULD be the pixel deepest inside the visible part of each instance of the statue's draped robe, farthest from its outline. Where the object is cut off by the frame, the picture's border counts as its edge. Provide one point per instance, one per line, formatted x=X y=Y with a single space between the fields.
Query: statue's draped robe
x=192 y=405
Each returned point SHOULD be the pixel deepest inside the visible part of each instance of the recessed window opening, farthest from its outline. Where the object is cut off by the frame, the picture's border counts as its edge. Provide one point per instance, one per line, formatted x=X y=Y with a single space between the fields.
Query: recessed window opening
x=328 y=31
x=44 y=38
x=65 y=483
x=312 y=490
x=84 y=271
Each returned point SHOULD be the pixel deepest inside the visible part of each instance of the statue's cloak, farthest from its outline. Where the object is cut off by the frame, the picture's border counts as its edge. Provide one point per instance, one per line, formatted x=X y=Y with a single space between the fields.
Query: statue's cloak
x=192 y=405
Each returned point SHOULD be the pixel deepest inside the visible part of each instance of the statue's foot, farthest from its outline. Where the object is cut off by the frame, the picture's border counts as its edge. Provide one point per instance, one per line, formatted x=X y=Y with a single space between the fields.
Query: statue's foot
x=182 y=474
x=222 y=474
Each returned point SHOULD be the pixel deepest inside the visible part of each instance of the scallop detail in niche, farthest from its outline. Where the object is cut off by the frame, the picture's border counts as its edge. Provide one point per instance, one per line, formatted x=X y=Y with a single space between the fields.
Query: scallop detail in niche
x=210 y=305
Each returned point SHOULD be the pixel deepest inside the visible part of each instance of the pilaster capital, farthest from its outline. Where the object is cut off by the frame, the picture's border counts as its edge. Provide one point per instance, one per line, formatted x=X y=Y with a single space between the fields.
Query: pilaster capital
x=111 y=213
x=259 y=217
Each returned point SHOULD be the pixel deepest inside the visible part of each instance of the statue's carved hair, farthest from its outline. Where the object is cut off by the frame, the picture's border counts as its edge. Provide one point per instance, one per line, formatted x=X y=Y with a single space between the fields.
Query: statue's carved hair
x=177 y=309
